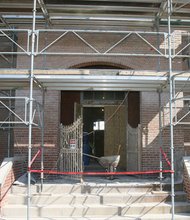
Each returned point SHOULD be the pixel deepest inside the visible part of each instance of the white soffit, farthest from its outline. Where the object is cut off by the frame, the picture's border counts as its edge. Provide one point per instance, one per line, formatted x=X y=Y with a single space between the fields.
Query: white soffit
x=93 y=82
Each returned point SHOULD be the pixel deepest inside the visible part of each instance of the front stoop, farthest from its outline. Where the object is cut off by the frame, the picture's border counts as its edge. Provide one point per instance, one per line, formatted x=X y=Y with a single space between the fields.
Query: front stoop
x=95 y=201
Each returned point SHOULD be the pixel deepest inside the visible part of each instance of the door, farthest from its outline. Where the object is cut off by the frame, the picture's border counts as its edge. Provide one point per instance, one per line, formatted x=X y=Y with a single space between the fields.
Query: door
x=115 y=132
x=133 y=148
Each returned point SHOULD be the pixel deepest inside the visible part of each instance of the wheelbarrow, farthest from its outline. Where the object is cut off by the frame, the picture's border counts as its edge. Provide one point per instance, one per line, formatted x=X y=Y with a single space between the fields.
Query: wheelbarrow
x=110 y=163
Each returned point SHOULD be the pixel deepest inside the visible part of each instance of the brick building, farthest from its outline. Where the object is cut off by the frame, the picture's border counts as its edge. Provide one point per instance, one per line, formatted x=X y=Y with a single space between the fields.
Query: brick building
x=99 y=68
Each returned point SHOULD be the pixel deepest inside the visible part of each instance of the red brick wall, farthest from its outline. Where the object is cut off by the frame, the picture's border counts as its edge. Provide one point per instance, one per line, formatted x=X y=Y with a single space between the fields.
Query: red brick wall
x=13 y=174
x=186 y=128
x=186 y=182
x=4 y=144
x=6 y=134
x=150 y=130
x=51 y=131
x=4 y=189
x=150 y=134
x=186 y=178
x=71 y=43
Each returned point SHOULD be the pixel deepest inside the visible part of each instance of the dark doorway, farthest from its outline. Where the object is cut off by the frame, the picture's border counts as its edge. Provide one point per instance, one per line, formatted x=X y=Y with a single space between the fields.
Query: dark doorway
x=109 y=120
x=93 y=118
x=68 y=99
x=134 y=109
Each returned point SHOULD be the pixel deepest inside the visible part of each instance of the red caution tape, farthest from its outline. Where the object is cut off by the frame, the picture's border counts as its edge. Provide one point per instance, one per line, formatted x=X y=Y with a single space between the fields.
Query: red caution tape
x=101 y=173
x=165 y=157
x=33 y=159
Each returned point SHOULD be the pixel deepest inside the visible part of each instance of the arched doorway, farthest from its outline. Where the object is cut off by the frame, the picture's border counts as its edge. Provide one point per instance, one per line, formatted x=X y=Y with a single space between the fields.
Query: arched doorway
x=106 y=116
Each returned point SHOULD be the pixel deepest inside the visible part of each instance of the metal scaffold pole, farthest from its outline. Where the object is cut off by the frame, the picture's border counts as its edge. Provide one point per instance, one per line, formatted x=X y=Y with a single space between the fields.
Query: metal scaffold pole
x=9 y=128
x=31 y=109
x=42 y=139
x=160 y=140
x=171 y=108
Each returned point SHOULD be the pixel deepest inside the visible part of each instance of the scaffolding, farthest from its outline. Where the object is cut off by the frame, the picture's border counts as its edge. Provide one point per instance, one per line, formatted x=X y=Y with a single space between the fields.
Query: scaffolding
x=33 y=49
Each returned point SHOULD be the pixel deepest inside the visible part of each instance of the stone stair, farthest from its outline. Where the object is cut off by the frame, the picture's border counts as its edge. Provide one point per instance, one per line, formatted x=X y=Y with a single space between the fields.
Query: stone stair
x=96 y=201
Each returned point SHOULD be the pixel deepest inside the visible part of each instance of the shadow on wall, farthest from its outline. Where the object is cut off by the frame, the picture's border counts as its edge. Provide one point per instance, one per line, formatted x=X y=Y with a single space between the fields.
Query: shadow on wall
x=151 y=134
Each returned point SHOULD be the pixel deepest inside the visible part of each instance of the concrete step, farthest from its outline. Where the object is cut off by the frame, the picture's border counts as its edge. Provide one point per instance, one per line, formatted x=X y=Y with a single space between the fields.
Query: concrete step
x=48 y=199
x=60 y=211
x=182 y=216
x=104 y=198
x=155 y=208
x=130 y=217
x=48 y=188
x=91 y=200
x=87 y=188
x=138 y=209
x=132 y=198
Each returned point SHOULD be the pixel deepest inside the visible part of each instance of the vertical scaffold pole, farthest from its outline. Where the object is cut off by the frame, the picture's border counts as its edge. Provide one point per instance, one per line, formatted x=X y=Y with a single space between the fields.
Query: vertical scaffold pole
x=31 y=109
x=42 y=140
x=158 y=43
x=9 y=127
x=160 y=140
x=160 y=120
x=171 y=108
